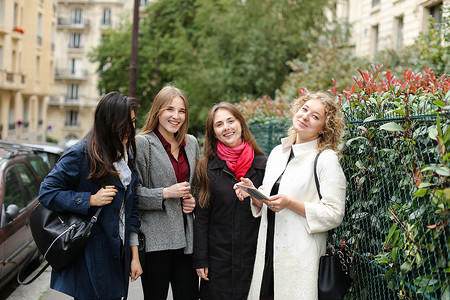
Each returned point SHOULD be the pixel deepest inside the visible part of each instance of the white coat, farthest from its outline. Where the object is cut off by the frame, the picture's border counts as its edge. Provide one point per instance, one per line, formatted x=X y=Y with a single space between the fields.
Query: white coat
x=299 y=241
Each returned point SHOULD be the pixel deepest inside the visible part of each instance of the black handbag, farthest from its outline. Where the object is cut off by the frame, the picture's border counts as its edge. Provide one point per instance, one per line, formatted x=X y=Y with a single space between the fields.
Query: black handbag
x=141 y=248
x=60 y=236
x=336 y=265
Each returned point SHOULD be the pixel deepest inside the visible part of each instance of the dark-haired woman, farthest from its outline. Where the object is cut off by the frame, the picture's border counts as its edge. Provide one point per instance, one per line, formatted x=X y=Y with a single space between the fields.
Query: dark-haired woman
x=99 y=171
x=225 y=231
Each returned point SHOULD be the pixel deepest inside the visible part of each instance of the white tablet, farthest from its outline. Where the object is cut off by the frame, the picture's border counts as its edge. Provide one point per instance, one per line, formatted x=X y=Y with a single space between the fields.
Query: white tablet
x=253 y=192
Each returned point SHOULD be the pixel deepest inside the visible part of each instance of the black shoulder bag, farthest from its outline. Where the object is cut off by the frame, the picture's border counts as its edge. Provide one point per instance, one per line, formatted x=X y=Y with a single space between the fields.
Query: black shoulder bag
x=59 y=236
x=335 y=267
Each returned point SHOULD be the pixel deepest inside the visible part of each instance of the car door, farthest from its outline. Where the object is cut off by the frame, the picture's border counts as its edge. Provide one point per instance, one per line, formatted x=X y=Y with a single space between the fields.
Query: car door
x=21 y=188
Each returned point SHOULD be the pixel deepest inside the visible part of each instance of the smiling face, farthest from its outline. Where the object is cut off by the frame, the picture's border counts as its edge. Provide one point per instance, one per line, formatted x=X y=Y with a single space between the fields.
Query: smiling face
x=172 y=117
x=309 y=121
x=227 y=128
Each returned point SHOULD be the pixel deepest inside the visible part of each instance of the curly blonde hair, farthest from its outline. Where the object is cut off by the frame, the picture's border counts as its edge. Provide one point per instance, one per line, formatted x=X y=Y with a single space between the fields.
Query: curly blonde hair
x=331 y=135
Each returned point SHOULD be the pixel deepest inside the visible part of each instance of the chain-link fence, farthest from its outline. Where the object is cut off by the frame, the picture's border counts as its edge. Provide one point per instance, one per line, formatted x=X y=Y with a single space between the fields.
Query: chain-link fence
x=400 y=239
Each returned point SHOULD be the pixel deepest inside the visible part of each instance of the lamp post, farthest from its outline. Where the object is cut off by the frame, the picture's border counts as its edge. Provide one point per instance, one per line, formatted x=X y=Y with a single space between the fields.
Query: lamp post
x=134 y=51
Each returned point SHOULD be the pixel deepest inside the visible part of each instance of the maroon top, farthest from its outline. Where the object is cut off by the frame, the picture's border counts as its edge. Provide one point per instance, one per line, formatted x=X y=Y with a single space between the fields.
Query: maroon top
x=180 y=166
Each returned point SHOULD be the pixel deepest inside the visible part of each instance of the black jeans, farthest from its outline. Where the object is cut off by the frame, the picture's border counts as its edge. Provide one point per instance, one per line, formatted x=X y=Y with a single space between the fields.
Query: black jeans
x=169 y=266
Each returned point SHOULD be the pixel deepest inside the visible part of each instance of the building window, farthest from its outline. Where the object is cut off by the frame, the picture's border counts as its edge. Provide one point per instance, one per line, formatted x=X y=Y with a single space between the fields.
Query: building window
x=26 y=112
x=15 y=17
x=143 y=3
x=71 y=118
x=38 y=66
x=72 y=91
x=39 y=30
x=2 y=12
x=1 y=57
x=75 y=40
x=399 y=32
x=75 y=67
x=374 y=40
x=106 y=20
x=436 y=13
x=77 y=16
x=375 y=2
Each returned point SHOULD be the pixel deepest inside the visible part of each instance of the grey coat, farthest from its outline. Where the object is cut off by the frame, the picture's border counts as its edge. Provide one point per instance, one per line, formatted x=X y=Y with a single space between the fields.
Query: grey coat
x=162 y=225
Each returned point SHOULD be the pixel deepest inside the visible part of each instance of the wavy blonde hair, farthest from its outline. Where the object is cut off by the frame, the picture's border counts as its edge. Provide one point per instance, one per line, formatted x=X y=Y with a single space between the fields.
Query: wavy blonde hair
x=331 y=135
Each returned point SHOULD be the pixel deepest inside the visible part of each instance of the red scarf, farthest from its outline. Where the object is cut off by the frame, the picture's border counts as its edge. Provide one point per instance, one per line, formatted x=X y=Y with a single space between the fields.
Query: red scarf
x=239 y=159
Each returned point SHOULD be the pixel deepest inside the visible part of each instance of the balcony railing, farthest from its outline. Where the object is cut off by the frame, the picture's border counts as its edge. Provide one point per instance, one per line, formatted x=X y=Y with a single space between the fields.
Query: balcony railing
x=11 y=80
x=71 y=74
x=69 y=23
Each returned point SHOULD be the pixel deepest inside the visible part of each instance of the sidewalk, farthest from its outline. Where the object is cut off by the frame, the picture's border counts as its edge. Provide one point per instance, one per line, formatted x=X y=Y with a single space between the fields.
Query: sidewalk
x=40 y=289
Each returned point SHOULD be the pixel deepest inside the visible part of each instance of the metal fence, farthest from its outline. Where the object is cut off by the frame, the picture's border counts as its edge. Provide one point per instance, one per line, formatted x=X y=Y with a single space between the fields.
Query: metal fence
x=382 y=170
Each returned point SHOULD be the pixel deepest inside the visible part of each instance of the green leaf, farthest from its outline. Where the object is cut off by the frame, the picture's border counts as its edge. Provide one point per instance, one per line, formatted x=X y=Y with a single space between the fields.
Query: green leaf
x=425 y=184
x=400 y=112
x=446 y=135
x=391 y=232
x=371 y=118
x=443 y=171
x=392 y=126
x=432 y=133
x=350 y=141
x=405 y=267
x=447 y=193
x=421 y=192
x=394 y=253
x=439 y=103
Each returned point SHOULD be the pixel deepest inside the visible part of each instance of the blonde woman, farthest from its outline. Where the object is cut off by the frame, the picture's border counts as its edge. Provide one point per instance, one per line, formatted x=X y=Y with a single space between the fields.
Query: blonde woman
x=294 y=221
x=167 y=157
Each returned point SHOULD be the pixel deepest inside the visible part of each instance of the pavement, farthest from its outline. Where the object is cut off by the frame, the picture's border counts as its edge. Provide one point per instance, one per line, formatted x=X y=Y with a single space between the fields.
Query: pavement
x=40 y=289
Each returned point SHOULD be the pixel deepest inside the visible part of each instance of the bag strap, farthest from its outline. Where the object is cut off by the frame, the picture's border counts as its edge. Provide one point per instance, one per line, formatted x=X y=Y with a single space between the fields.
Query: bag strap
x=92 y=222
x=316 y=179
x=25 y=266
x=30 y=257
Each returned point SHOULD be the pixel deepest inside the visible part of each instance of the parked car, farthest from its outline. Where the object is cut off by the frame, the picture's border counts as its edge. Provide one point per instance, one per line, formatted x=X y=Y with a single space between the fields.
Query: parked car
x=22 y=169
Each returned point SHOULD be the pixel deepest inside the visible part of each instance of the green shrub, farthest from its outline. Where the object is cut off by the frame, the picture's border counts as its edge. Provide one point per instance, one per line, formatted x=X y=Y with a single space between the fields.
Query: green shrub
x=397 y=165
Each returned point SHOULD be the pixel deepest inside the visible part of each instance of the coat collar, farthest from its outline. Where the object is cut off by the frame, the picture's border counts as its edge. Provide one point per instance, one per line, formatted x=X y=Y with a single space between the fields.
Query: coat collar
x=289 y=142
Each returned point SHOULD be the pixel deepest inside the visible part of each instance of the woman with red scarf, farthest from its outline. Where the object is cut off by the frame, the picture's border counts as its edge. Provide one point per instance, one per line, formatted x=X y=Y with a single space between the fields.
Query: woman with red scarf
x=225 y=231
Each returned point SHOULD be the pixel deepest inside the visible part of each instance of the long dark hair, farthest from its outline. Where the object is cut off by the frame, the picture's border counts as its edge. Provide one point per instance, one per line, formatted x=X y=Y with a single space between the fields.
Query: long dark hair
x=210 y=148
x=112 y=122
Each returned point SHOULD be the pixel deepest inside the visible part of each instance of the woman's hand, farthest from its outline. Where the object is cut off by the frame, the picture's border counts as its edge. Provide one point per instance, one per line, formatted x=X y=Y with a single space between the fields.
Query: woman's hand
x=178 y=190
x=241 y=193
x=279 y=202
x=203 y=273
x=104 y=196
x=188 y=204
x=135 y=268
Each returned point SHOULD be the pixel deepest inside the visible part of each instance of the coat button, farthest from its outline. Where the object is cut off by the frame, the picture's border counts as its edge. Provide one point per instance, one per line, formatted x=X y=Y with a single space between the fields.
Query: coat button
x=79 y=200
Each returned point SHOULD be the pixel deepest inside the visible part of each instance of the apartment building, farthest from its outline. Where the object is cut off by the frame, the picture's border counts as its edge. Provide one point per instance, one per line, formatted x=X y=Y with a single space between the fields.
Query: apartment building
x=26 y=64
x=79 y=28
x=388 y=24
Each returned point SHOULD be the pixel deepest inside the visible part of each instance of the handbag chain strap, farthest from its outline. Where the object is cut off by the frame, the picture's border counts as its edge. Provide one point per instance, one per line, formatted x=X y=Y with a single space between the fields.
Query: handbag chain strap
x=316 y=179
x=345 y=256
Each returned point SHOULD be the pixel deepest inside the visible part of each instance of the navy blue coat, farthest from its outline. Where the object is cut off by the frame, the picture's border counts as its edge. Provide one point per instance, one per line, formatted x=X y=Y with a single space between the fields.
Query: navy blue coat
x=97 y=273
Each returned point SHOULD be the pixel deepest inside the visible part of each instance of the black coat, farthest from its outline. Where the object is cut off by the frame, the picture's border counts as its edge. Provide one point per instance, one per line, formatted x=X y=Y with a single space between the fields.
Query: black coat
x=225 y=233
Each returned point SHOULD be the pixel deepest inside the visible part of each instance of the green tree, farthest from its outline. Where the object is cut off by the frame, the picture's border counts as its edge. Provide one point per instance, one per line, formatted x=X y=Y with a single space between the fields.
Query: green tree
x=213 y=50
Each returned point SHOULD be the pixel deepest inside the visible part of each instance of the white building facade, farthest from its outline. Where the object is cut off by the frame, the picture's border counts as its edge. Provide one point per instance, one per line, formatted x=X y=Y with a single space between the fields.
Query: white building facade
x=80 y=27
x=388 y=24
